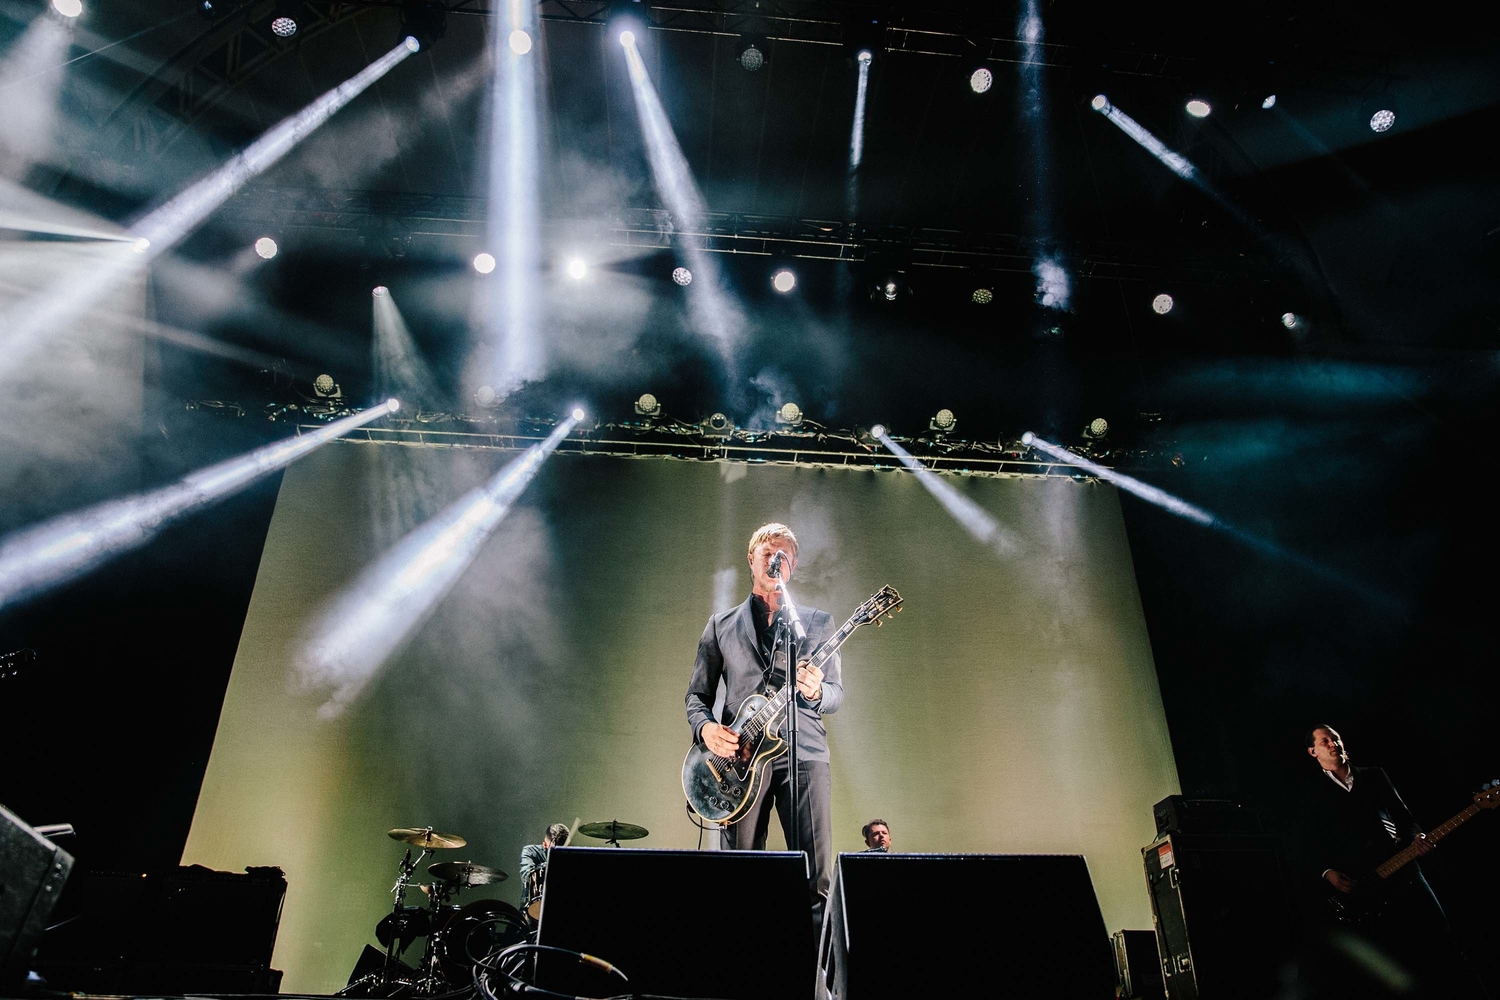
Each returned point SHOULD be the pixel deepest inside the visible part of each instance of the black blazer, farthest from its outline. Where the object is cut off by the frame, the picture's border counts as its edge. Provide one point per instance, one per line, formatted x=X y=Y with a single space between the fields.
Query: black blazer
x=729 y=650
x=1343 y=830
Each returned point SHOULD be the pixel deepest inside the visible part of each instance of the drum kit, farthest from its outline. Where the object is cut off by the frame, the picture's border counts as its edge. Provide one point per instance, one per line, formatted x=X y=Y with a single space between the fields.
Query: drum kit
x=460 y=935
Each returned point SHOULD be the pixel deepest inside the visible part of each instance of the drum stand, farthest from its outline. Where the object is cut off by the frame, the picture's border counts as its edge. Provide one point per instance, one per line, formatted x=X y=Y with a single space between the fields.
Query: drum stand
x=383 y=977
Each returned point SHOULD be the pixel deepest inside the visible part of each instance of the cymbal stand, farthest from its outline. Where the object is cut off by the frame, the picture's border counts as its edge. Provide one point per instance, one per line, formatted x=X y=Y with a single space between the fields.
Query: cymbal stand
x=382 y=976
x=432 y=980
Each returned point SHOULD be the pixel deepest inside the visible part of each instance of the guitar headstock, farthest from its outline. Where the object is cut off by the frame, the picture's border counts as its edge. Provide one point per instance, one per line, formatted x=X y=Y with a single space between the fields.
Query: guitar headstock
x=1488 y=796
x=884 y=604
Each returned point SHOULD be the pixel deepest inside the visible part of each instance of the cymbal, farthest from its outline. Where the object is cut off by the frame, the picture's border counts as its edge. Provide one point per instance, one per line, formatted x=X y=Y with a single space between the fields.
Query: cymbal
x=466 y=873
x=426 y=837
x=613 y=830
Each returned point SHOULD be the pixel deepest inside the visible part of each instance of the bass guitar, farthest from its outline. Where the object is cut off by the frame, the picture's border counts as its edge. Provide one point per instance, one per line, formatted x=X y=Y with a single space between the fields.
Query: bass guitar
x=720 y=789
x=1367 y=901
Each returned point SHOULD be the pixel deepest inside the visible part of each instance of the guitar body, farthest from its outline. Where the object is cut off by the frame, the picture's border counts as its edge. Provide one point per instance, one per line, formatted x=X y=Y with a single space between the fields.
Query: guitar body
x=721 y=789
x=1362 y=907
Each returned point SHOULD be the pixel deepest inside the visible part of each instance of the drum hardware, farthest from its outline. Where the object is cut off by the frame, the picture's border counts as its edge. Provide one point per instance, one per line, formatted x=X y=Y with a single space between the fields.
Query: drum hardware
x=464 y=874
x=613 y=831
x=426 y=838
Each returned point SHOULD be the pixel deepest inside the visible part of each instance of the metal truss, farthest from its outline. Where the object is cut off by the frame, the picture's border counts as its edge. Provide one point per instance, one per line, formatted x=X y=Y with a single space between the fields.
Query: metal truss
x=401 y=216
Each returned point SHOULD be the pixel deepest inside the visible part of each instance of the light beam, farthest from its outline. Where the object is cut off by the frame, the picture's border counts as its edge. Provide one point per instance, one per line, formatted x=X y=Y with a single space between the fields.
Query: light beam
x=27 y=323
x=973 y=518
x=40 y=557
x=391 y=598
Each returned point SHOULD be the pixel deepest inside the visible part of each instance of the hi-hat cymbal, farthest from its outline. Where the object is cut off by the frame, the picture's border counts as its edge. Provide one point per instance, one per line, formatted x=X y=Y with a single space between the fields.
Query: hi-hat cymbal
x=613 y=830
x=465 y=873
x=426 y=837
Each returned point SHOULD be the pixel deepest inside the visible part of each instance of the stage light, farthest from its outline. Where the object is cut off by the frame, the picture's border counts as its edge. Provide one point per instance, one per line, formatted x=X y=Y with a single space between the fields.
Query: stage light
x=1028 y=438
x=890 y=289
x=784 y=281
x=1198 y=108
x=325 y=386
x=751 y=52
x=485 y=396
x=66 y=547
x=207 y=8
x=980 y=525
x=1269 y=102
x=266 y=247
x=1146 y=492
x=981 y=80
x=878 y=431
x=943 y=421
x=577 y=413
x=1290 y=320
x=1097 y=428
x=682 y=276
x=865 y=55
x=627 y=38
x=717 y=426
x=983 y=296
x=789 y=414
x=484 y=263
x=283 y=27
x=68 y=8
x=141 y=244
x=1382 y=120
x=380 y=290
x=1162 y=304
x=412 y=45
x=393 y=405
x=520 y=42
x=577 y=268
x=1099 y=103
x=647 y=405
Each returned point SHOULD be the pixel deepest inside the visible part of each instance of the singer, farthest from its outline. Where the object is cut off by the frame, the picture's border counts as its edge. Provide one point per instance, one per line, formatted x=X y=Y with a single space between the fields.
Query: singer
x=745 y=646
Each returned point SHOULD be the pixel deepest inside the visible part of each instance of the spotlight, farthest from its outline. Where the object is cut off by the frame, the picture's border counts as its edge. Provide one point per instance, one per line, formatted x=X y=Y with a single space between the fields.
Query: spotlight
x=577 y=413
x=865 y=55
x=627 y=38
x=393 y=404
x=141 y=245
x=68 y=8
x=1099 y=103
x=484 y=263
x=485 y=396
x=1290 y=320
x=890 y=289
x=789 y=414
x=1097 y=428
x=1382 y=120
x=943 y=421
x=717 y=426
x=1269 y=102
x=284 y=27
x=266 y=247
x=1162 y=304
x=424 y=20
x=980 y=80
x=208 y=8
x=520 y=42
x=983 y=296
x=784 y=281
x=751 y=52
x=380 y=291
x=412 y=45
x=1027 y=438
x=1198 y=108
x=647 y=405
x=577 y=268
x=326 y=387
x=878 y=431
x=682 y=276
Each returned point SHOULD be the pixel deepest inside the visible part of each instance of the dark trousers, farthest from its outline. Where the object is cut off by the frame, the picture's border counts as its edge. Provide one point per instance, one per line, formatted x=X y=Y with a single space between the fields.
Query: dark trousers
x=814 y=811
x=1414 y=929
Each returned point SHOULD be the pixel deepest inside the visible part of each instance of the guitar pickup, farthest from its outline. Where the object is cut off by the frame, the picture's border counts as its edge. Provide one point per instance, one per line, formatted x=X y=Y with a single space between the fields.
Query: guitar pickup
x=713 y=770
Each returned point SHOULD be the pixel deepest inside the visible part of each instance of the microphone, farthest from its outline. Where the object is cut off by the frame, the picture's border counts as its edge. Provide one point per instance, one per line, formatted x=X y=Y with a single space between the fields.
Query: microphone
x=774 y=569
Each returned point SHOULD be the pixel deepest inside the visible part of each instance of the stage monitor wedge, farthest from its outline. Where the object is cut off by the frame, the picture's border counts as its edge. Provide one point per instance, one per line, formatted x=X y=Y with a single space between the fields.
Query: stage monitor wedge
x=643 y=911
x=911 y=925
x=32 y=873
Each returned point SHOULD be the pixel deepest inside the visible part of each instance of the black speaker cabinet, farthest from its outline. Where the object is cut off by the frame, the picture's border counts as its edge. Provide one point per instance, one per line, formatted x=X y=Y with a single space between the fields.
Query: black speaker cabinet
x=643 y=911
x=1224 y=920
x=1138 y=966
x=32 y=873
x=928 y=925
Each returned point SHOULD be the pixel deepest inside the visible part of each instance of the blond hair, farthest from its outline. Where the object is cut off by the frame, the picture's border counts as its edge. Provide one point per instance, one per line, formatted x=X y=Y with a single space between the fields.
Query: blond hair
x=766 y=532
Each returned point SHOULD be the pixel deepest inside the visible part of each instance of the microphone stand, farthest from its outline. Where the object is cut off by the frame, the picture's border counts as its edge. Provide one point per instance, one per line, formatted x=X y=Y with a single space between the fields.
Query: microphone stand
x=798 y=636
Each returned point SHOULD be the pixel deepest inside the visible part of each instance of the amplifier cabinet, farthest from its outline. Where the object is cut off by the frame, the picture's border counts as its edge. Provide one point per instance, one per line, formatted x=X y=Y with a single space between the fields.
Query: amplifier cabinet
x=1223 y=915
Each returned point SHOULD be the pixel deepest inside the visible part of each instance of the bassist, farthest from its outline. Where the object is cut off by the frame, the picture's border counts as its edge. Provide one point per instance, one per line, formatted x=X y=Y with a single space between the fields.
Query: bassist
x=738 y=647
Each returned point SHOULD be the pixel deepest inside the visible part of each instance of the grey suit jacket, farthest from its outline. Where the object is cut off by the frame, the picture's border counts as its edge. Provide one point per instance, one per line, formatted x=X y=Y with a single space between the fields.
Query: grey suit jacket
x=729 y=650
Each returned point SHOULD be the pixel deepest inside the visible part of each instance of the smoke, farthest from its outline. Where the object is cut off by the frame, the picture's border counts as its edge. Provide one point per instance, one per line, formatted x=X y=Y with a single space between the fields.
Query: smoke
x=1052 y=285
x=29 y=84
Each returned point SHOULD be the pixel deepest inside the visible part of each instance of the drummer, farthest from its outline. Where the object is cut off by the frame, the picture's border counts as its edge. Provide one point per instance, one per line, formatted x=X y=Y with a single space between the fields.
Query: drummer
x=534 y=860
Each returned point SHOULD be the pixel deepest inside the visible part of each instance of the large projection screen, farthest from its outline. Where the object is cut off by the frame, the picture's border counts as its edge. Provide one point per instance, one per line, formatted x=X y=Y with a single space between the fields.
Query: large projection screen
x=1011 y=708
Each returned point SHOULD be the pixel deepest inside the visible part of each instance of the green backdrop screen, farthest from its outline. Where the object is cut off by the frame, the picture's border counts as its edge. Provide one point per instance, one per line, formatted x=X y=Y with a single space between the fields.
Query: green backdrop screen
x=1011 y=708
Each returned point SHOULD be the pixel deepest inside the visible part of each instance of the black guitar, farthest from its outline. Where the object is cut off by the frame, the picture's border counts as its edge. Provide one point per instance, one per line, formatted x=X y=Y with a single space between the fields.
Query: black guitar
x=720 y=789
x=1366 y=903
